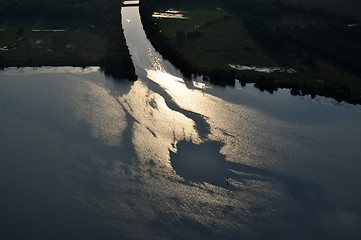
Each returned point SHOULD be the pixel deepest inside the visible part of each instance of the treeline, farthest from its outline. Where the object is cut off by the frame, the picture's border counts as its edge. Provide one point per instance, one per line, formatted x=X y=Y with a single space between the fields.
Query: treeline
x=104 y=13
x=331 y=38
x=169 y=51
x=117 y=62
x=328 y=36
x=161 y=42
x=267 y=83
x=2 y=62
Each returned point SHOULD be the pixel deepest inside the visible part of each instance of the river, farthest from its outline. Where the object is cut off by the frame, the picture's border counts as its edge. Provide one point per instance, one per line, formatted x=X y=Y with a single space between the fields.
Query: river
x=87 y=157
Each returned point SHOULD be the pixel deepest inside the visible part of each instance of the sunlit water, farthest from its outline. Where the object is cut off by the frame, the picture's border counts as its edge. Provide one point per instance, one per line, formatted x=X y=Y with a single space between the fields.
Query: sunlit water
x=173 y=14
x=86 y=157
x=262 y=69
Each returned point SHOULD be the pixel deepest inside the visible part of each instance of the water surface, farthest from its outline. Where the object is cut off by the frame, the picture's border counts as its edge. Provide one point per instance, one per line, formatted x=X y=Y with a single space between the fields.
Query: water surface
x=88 y=157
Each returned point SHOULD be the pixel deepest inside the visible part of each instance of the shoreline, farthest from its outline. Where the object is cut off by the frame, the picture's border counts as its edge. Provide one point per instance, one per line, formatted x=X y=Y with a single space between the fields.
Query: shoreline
x=105 y=44
x=263 y=82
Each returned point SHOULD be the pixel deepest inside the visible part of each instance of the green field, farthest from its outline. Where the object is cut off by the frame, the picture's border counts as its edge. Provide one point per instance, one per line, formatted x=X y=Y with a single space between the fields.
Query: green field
x=223 y=39
x=39 y=45
x=219 y=38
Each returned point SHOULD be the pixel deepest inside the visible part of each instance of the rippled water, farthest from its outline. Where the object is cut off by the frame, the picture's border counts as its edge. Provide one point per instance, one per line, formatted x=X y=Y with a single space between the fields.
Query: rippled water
x=86 y=157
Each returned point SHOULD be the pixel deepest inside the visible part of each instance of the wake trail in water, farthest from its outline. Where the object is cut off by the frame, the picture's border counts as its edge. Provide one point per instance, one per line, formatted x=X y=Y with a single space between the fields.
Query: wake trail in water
x=202 y=126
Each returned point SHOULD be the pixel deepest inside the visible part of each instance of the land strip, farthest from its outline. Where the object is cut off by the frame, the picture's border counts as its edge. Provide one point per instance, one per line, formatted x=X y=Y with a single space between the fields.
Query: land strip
x=64 y=33
x=310 y=51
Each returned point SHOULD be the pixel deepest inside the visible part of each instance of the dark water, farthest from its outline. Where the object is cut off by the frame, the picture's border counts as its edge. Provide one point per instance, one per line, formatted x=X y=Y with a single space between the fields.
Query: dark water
x=85 y=157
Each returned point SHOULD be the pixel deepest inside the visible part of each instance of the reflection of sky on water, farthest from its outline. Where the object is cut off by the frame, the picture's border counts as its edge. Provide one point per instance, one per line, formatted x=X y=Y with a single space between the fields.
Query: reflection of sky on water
x=262 y=69
x=92 y=103
x=274 y=141
x=130 y=2
x=112 y=141
x=156 y=126
x=171 y=15
x=87 y=157
x=37 y=70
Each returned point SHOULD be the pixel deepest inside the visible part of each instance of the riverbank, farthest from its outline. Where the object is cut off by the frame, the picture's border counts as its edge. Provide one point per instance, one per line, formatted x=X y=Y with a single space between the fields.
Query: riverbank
x=51 y=47
x=86 y=157
x=87 y=34
x=209 y=41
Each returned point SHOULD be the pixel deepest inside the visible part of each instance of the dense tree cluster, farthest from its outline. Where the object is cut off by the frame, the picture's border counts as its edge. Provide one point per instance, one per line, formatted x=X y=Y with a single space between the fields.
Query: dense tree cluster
x=117 y=62
x=1 y=62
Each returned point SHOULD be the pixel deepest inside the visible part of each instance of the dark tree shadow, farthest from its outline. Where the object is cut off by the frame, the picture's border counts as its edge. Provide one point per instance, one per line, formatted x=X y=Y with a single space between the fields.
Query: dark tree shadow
x=204 y=163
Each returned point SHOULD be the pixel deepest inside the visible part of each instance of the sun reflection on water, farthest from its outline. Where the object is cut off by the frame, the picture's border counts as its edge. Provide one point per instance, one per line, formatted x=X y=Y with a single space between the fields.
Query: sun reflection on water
x=157 y=128
x=236 y=126
x=94 y=104
x=174 y=14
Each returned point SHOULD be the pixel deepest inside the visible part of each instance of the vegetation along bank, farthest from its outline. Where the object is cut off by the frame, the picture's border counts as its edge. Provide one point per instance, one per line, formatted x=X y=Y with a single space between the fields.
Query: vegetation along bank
x=273 y=44
x=64 y=33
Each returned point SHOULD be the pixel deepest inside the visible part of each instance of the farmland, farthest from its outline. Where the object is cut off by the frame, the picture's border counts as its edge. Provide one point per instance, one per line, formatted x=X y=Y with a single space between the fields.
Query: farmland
x=309 y=49
x=64 y=33
x=223 y=39
x=51 y=47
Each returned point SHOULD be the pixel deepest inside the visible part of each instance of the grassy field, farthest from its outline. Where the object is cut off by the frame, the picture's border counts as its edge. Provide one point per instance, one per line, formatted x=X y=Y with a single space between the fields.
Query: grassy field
x=223 y=39
x=38 y=45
